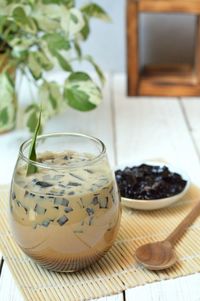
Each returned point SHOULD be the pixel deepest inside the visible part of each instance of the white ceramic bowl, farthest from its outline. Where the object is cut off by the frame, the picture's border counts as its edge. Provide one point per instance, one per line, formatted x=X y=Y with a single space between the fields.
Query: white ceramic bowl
x=157 y=203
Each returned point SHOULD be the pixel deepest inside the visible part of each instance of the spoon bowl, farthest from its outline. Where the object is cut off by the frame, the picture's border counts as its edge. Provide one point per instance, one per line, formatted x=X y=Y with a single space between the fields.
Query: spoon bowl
x=156 y=256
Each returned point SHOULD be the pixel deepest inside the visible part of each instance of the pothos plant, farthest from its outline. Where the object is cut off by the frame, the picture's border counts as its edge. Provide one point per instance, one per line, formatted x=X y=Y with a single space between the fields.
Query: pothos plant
x=35 y=37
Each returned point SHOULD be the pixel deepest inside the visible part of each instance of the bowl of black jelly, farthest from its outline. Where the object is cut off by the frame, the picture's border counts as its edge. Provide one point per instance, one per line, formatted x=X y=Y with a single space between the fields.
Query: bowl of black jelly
x=151 y=185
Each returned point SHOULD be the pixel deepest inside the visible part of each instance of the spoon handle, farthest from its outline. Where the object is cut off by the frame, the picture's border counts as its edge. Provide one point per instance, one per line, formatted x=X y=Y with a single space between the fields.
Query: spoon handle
x=186 y=222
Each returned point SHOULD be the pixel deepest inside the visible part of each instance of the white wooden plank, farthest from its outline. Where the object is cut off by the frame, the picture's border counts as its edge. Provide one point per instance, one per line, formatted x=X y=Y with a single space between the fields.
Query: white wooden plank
x=149 y=128
x=10 y=292
x=191 y=109
x=8 y=289
x=181 y=289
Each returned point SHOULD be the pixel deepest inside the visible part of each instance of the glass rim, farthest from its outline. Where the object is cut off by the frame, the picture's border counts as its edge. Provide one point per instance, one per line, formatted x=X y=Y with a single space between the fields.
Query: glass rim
x=60 y=134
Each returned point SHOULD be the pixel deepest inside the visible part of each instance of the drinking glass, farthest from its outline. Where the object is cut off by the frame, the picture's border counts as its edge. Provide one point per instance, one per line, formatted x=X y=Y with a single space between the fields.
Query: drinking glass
x=64 y=208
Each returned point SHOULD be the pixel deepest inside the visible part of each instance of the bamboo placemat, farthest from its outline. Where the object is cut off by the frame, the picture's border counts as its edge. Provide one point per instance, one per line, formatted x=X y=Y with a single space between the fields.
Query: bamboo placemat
x=116 y=271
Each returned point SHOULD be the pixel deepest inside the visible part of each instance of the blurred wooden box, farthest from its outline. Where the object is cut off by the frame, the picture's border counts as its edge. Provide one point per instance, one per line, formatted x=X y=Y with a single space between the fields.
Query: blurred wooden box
x=161 y=80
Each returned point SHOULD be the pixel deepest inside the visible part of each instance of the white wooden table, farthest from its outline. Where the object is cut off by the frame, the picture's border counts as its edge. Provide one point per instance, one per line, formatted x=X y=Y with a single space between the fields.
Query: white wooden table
x=132 y=129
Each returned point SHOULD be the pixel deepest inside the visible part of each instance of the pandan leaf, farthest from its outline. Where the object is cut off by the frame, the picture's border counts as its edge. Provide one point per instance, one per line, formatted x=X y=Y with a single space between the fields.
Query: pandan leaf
x=32 y=121
x=32 y=154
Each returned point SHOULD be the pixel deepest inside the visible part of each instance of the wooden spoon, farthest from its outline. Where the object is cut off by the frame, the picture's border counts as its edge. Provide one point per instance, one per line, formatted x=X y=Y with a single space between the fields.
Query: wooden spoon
x=160 y=255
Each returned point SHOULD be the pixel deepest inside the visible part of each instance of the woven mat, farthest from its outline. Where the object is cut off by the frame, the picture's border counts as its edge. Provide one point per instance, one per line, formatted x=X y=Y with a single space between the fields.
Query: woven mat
x=116 y=271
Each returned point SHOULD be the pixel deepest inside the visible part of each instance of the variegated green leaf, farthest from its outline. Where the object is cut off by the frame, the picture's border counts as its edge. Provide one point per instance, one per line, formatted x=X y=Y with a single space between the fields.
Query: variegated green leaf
x=97 y=68
x=7 y=102
x=63 y=62
x=34 y=65
x=4 y=118
x=77 y=48
x=44 y=61
x=85 y=31
x=51 y=98
x=56 y=42
x=81 y=92
x=23 y=20
x=72 y=21
x=96 y=11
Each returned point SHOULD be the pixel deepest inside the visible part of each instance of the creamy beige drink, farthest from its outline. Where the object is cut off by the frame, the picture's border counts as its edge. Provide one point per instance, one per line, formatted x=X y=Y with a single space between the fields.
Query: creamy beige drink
x=65 y=218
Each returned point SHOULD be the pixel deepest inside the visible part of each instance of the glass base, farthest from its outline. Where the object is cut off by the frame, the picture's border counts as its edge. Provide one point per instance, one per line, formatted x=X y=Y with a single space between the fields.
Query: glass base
x=62 y=264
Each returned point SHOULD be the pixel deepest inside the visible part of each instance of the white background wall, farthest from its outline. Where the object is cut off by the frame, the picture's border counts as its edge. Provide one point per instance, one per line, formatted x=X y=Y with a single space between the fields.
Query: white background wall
x=163 y=38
